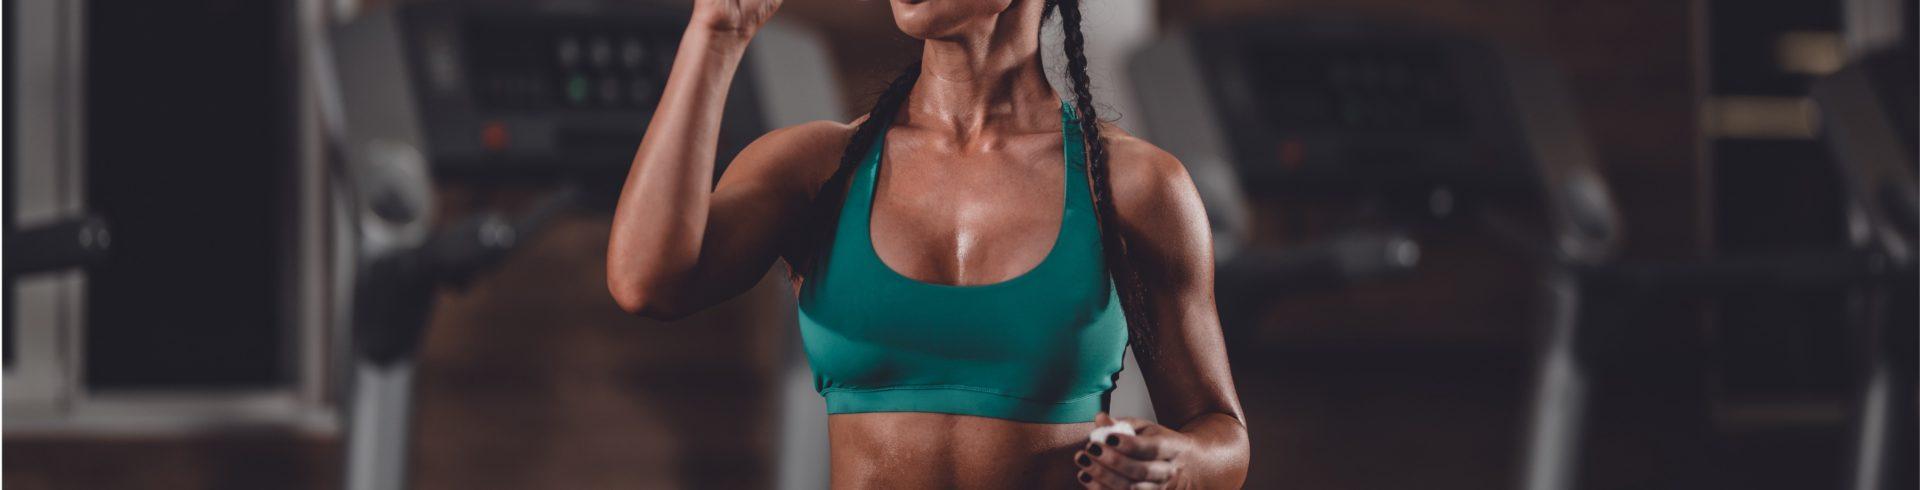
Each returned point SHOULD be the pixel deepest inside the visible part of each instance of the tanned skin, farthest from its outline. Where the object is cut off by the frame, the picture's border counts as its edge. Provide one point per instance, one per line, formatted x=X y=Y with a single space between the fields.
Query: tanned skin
x=970 y=193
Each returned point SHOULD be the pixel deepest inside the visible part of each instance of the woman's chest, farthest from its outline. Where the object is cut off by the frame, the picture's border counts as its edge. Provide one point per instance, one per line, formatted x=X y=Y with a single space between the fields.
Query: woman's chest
x=966 y=222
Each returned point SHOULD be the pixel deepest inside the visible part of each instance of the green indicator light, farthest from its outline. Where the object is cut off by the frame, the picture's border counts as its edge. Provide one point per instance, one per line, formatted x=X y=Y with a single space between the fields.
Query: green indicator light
x=577 y=89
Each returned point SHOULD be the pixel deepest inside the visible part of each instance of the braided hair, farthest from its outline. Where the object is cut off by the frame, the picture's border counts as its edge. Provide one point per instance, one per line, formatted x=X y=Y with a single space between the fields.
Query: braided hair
x=827 y=202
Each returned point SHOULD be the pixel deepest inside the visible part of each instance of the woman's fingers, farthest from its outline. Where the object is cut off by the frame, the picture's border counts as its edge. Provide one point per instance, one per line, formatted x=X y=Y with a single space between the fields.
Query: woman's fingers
x=766 y=9
x=743 y=16
x=1127 y=467
x=1085 y=463
x=1099 y=476
x=1142 y=460
x=1153 y=442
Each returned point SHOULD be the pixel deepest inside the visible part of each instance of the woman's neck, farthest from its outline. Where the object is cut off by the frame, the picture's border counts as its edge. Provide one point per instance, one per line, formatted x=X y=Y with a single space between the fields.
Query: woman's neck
x=991 y=80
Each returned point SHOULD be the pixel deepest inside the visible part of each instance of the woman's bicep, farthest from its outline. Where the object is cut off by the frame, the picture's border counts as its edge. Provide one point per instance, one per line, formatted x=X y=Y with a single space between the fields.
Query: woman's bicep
x=1171 y=246
x=760 y=199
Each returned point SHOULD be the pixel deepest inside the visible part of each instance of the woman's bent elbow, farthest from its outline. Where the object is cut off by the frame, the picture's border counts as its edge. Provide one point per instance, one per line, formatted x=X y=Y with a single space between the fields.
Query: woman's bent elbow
x=647 y=302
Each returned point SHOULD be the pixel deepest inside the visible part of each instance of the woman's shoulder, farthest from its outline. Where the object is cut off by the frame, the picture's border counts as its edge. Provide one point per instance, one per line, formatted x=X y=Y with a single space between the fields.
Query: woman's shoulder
x=808 y=139
x=1155 y=198
x=807 y=152
x=1142 y=173
x=814 y=132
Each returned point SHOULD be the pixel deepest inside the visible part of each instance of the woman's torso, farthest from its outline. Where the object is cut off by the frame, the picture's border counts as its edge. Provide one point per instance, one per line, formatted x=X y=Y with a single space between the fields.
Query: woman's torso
x=960 y=231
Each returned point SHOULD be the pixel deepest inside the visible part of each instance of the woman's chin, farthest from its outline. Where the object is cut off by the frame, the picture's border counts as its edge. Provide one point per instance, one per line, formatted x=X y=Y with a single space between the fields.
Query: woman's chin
x=920 y=35
x=917 y=27
x=940 y=19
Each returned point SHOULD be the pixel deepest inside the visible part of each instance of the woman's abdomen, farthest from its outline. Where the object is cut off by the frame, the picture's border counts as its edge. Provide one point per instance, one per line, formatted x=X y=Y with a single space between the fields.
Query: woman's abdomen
x=931 y=450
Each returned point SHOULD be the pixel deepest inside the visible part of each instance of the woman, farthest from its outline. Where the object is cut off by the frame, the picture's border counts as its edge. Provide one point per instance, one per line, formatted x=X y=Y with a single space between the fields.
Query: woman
x=964 y=325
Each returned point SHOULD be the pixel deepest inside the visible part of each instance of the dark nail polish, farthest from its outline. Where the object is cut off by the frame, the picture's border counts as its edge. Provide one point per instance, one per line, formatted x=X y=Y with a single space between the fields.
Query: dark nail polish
x=1084 y=461
x=1093 y=450
x=1085 y=478
x=1113 y=440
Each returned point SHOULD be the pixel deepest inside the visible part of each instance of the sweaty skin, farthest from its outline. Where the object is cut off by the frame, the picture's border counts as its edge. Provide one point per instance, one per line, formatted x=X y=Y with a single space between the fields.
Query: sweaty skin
x=969 y=194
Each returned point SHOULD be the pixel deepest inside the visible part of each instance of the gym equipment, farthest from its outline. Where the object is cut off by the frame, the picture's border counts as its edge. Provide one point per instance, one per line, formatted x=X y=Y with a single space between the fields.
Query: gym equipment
x=1424 y=126
x=178 y=125
x=1348 y=111
x=392 y=295
x=1873 y=141
x=63 y=245
x=519 y=91
x=1868 y=116
x=55 y=246
x=497 y=94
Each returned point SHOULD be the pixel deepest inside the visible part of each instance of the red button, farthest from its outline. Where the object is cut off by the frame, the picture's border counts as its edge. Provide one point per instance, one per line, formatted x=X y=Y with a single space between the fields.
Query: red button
x=493 y=136
x=1293 y=153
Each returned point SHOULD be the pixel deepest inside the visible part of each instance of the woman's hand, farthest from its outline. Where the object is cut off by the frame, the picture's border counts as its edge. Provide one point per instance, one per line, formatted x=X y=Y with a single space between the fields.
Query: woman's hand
x=1150 y=459
x=741 y=18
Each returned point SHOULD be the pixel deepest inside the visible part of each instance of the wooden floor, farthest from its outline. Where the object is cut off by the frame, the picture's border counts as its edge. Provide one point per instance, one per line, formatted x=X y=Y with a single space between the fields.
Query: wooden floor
x=221 y=461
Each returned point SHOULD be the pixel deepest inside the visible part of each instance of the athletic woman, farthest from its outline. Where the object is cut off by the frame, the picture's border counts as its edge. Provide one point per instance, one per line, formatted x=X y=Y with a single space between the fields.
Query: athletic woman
x=972 y=258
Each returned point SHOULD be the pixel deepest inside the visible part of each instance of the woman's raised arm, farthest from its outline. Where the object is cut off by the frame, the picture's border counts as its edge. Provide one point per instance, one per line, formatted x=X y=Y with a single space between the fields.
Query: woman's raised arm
x=677 y=244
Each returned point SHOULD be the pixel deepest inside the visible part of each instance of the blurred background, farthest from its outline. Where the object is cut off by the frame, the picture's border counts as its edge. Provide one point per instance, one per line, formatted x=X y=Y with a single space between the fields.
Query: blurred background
x=1536 y=244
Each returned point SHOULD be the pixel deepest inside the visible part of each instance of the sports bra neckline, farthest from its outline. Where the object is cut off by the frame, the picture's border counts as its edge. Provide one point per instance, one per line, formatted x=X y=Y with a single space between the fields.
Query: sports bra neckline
x=1070 y=142
x=1041 y=347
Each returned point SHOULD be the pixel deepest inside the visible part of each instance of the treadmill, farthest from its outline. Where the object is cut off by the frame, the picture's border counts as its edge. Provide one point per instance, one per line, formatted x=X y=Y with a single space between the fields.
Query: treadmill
x=500 y=95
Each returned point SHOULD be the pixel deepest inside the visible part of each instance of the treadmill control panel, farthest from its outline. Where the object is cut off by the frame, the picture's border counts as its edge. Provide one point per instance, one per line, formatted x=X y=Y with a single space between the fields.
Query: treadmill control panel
x=582 y=65
x=499 y=89
x=1327 y=107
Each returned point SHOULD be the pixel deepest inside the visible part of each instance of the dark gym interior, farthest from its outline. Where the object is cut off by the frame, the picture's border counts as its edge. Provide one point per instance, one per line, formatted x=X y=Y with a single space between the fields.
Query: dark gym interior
x=1462 y=244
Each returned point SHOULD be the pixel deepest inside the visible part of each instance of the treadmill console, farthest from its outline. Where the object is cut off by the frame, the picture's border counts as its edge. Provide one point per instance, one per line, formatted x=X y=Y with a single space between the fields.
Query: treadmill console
x=1342 y=109
x=1309 y=107
x=492 y=89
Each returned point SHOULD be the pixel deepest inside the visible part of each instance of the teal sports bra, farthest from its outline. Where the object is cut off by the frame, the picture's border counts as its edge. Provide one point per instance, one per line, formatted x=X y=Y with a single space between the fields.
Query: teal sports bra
x=1044 y=346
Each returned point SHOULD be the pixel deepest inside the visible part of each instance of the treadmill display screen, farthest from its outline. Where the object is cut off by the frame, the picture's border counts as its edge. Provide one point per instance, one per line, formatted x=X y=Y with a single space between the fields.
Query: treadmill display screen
x=1375 y=89
x=1317 y=110
x=560 y=65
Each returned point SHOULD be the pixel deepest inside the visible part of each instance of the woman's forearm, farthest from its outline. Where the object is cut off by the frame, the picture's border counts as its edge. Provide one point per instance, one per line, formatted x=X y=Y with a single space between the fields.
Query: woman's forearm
x=662 y=212
x=1218 y=457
